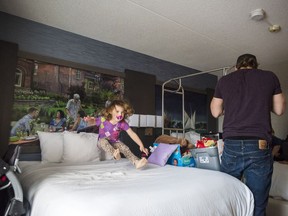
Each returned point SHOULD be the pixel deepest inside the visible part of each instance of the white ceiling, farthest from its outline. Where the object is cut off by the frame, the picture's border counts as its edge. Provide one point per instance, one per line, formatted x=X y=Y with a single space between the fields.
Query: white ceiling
x=195 y=33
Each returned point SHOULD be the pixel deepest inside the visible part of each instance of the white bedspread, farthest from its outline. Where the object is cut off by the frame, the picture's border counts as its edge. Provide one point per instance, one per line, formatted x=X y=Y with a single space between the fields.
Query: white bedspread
x=116 y=188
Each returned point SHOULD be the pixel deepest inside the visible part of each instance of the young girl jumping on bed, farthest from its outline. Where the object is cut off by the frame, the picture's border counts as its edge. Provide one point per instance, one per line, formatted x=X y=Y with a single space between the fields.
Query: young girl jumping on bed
x=111 y=123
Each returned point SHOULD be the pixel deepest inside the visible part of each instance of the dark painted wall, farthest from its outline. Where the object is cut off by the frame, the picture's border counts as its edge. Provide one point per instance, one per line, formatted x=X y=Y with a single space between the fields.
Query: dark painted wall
x=8 y=62
x=139 y=88
x=46 y=41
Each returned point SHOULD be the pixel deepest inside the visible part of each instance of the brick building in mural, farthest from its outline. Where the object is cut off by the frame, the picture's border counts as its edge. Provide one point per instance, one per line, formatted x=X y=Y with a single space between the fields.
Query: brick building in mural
x=57 y=79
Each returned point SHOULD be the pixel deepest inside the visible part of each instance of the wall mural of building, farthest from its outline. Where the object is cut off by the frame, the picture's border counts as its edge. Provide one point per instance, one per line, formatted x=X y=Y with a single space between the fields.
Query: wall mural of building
x=49 y=87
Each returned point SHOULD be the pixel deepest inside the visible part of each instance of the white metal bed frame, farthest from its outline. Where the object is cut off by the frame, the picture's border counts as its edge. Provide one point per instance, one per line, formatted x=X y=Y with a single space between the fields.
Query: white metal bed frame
x=180 y=91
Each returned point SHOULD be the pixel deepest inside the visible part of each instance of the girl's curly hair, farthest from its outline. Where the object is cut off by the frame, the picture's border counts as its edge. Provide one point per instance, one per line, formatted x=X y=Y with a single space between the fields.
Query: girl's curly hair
x=128 y=110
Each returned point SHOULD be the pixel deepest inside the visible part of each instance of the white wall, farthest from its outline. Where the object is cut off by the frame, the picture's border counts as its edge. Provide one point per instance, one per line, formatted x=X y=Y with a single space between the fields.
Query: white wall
x=279 y=123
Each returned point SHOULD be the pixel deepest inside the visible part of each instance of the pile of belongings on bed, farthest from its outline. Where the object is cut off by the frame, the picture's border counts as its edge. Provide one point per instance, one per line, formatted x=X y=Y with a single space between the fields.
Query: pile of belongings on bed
x=204 y=154
x=181 y=155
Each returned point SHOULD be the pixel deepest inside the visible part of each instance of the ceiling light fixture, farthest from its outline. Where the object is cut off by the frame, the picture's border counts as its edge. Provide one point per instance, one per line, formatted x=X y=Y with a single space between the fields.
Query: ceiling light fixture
x=274 y=28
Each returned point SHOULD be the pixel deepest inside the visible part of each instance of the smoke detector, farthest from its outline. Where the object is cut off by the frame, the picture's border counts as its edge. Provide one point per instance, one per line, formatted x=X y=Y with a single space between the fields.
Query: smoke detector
x=258 y=14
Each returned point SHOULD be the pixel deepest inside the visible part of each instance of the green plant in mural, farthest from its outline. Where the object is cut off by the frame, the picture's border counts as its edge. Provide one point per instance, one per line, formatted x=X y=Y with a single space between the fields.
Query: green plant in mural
x=34 y=124
x=28 y=94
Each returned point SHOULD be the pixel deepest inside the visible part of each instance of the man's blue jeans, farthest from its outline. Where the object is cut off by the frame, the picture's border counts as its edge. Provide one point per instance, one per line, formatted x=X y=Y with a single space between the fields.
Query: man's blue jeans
x=244 y=160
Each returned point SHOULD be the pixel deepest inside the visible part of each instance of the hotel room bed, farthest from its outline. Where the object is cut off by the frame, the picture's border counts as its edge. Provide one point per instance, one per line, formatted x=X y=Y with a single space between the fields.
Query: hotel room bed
x=117 y=188
x=73 y=177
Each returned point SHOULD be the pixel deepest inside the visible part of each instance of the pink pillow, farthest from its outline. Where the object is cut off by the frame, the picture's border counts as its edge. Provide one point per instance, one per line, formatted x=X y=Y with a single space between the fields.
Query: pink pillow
x=161 y=154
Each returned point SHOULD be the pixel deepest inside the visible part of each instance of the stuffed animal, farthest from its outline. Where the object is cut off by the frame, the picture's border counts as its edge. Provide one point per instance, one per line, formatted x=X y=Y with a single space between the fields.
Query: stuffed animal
x=184 y=143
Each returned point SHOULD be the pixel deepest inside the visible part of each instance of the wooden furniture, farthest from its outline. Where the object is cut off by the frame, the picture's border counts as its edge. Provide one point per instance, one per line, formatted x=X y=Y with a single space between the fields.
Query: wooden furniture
x=30 y=149
x=30 y=142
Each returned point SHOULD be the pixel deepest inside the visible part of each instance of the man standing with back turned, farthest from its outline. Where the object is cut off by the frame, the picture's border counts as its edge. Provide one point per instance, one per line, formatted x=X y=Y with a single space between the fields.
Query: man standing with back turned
x=247 y=97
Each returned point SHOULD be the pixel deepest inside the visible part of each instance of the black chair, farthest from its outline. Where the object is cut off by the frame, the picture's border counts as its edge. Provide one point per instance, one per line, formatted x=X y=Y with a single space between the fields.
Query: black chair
x=10 y=187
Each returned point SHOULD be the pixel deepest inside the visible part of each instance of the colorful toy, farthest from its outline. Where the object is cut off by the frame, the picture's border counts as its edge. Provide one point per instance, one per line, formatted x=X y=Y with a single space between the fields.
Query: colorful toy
x=206 y=142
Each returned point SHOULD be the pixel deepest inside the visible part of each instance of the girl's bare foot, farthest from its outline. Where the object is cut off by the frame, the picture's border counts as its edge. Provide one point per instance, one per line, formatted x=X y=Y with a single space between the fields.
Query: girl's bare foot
x=140 y=163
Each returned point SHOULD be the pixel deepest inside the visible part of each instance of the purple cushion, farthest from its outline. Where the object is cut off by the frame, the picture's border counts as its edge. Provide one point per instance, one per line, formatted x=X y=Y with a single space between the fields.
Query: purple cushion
x=161 y=154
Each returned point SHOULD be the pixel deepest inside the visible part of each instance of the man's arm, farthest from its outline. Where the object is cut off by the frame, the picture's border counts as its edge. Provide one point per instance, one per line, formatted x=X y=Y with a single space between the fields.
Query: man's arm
x=216 y=107
x=279 y=104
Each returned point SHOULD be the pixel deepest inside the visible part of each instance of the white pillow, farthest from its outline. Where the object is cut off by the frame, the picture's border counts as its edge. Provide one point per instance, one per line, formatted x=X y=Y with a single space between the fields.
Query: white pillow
x=51 y=145
x=80 y=147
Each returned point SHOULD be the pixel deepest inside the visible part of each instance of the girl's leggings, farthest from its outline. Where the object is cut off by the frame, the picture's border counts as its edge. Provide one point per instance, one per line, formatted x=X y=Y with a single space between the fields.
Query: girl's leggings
x=110 y=148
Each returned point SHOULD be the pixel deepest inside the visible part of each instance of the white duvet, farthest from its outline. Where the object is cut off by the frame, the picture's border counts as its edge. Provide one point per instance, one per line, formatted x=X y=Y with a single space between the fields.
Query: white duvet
x=116 y=188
